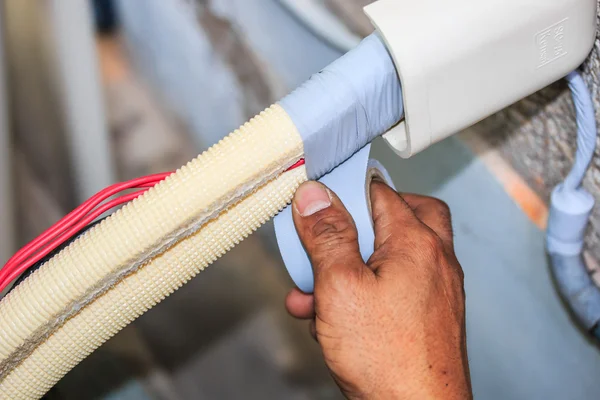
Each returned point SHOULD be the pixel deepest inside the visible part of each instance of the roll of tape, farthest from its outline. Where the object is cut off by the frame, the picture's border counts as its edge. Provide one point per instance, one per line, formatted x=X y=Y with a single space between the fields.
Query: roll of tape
x=351 y=182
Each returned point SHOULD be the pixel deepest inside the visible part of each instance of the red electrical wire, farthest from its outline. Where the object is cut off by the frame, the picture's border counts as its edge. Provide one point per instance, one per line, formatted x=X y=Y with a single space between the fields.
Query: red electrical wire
x=75 y=221
x=82 y=210
x=296 y=164
x=9 y=273
x=72 y=223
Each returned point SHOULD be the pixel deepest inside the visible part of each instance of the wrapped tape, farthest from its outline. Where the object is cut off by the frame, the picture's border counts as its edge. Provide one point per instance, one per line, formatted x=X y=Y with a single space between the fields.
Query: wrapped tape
x=349 y=103
x=351 y=182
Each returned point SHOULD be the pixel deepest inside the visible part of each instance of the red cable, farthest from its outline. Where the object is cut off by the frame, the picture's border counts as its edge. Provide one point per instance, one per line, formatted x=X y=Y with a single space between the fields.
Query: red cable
x=75 y=221
x=81 y=211
x=11 y=272
x=296 y=164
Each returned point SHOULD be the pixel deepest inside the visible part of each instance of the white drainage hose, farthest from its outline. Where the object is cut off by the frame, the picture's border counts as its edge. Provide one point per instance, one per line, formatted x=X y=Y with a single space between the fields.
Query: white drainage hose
x=135 y=258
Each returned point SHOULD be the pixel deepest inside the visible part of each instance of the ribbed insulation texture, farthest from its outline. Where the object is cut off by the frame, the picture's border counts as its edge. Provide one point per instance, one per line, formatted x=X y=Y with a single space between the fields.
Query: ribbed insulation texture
x=145 y=251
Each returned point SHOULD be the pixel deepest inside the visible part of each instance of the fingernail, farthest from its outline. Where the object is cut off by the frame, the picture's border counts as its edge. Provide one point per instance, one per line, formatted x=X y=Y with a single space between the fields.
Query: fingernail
x=311 y=197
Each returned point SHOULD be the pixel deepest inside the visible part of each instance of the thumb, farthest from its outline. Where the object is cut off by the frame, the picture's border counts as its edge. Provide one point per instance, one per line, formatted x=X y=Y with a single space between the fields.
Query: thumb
x=327 y=232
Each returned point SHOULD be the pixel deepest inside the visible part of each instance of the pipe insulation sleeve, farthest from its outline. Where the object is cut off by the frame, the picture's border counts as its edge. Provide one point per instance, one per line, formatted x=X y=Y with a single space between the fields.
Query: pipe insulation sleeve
x=345 y=106
x=139 y=255
x=145 y=228
x=144 y=288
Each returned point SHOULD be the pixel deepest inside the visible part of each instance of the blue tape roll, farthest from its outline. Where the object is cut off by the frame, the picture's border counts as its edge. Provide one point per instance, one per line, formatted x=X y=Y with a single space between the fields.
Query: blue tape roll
x=351 y=182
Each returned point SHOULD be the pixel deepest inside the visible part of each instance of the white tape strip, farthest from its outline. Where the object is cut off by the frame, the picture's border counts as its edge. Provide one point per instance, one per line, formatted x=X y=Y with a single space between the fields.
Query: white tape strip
x=351 y=182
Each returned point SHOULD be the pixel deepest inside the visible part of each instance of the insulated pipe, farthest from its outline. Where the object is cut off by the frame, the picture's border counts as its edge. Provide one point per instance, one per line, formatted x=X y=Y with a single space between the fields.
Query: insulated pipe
x=586 y=130
x=109 y=313
x=577 y=288
x=570 y=209
x=135 y=258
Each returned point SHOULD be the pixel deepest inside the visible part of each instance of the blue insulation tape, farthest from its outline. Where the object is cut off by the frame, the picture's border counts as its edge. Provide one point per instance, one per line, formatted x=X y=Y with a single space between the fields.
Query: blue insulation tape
x=351 y=182
x=346 y=105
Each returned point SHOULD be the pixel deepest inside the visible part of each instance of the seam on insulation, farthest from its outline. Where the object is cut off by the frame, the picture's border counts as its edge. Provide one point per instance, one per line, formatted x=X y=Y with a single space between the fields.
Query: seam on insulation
x=144 y=288
x=49 y=310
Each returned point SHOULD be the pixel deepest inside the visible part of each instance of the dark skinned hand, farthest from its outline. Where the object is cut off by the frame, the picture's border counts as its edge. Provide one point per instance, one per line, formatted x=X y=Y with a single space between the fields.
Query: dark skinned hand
x=393 y=328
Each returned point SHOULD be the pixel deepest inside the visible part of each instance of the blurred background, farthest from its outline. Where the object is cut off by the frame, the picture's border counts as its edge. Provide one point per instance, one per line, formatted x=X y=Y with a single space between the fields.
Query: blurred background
x=93 y=92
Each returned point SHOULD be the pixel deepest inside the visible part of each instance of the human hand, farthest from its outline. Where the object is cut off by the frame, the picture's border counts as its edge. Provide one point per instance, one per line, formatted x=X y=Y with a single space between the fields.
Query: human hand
x=393 y=328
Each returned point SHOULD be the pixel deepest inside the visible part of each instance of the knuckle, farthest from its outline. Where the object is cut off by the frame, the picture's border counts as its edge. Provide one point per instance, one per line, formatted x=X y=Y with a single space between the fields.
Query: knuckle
x=442 y=216
x=461 y=275
x=457 y=281
x=441 y=205
x=339 y=277
x=459 y=272
x=334 y=230
x=431 y=246
x=441 y=208
x=338 y=282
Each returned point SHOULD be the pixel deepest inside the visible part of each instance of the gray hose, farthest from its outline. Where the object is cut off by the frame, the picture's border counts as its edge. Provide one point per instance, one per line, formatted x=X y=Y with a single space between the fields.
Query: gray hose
x=578 y=289
x=570 y=210
x=586 y=130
